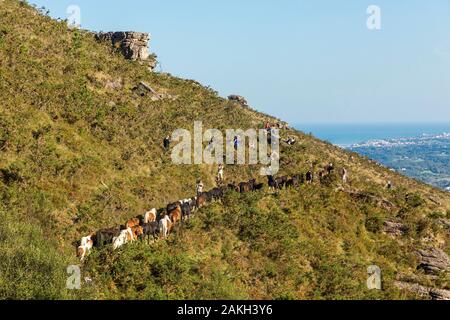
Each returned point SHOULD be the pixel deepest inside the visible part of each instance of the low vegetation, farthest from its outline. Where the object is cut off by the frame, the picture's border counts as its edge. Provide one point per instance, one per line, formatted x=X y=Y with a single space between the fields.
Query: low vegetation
x=77 y=155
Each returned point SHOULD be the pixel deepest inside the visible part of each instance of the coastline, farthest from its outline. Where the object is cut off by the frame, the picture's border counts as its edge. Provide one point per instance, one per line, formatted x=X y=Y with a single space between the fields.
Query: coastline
x=346 y=135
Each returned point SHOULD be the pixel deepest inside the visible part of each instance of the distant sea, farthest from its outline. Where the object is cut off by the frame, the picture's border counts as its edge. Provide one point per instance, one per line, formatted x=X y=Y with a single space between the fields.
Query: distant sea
x=345 y=135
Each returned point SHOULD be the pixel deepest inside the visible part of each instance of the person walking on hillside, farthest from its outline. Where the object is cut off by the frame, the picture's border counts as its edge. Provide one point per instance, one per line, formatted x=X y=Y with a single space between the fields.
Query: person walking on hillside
x=166 y=143
x=330 y=168
x=220 y=174
x=344 y=175
x=269 y=136
x=199 y=187
x=389 y=185
x=309 y=177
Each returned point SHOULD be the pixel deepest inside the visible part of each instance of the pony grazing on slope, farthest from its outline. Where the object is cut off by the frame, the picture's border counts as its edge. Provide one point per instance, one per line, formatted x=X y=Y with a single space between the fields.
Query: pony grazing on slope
x=165 y=226
x=201 y=201
x=186 y=211
x=150 y=216
x=247 y=186
x=137 y=231
x=175 y=214
x=104 y=237
x=132 y=223
x=150 y=229
x=86 y=244
x=124 y=237
x=150 y=224
x=272 y=182
x=84 y=249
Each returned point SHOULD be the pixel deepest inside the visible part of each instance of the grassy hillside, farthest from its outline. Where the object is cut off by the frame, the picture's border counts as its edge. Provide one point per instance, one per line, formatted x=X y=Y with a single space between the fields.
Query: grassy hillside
x=80 y=150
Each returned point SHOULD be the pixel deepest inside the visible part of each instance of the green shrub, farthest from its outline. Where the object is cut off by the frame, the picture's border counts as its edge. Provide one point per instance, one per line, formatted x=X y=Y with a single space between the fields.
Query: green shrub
x=414 y=200
x=374 y=224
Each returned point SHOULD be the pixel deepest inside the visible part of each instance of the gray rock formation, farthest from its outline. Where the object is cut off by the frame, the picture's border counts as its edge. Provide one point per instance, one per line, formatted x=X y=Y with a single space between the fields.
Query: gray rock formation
x=393 y=228
x=133 y=45
x=445 y=224
x=433 y=293
x=239 y=99
x=143 y=89
x=371 y=198
x=433 y=260
x=114 y=84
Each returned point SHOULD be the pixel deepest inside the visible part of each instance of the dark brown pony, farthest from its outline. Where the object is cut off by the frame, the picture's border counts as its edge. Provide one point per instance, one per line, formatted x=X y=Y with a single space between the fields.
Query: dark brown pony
x=294 y=181
x=281 y=182
x=232 y=186
x=105 y=236
x=201 y=201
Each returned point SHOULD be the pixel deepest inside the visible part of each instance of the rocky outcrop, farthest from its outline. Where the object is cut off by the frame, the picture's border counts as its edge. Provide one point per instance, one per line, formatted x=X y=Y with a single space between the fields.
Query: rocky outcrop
x=239 y=99
x=433 y=260
x=445 y=224
x=143 y=89
x=395 y=229
x=371 y=198
x=435 y=294
x=114 y=84
x=133 y=45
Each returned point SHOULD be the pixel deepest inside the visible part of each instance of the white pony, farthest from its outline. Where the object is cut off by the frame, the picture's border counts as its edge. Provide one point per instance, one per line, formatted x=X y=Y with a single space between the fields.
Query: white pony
x=164 y=225
x=85 y=248
x=124 y=237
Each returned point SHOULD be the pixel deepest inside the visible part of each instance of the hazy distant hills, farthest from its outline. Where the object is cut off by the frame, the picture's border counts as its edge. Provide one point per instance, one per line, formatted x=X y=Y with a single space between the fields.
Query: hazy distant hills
x=426 y=158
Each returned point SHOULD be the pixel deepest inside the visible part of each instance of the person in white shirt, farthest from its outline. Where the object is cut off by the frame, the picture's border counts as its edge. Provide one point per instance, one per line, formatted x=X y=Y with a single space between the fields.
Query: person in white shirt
x=199 y=187
x=344 y=175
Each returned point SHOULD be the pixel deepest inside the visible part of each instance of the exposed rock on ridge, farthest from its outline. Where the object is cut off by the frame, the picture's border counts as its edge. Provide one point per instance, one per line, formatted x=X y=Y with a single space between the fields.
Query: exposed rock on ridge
x=133 y=45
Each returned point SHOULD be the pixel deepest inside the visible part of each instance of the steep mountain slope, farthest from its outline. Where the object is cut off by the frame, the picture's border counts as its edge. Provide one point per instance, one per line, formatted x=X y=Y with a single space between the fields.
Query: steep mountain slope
x=80 y=150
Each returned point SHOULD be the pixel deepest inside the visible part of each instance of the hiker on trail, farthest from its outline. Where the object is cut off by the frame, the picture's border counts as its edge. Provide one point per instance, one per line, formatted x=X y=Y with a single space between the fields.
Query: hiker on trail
x=309 y=177
x=389 y=185
x=330 y=168
x=166 y=143
x=199 y=187
x=321 y=174
x=220 y=174
x=269 y=136
x=344 y=175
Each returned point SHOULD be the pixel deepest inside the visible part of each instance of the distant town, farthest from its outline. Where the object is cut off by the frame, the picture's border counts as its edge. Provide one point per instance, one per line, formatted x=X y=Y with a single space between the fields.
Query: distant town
x=425 y=158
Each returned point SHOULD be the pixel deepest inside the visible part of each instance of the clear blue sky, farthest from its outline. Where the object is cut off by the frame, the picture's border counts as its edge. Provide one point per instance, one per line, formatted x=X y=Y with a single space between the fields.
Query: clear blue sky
x=301 y=60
